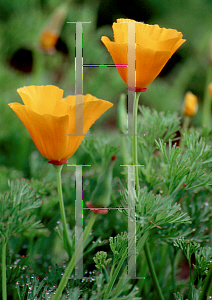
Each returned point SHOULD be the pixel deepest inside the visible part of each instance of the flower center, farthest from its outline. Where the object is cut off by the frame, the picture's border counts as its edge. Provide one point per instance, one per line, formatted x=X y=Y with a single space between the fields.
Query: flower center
x=136 y=89
x=56 y=162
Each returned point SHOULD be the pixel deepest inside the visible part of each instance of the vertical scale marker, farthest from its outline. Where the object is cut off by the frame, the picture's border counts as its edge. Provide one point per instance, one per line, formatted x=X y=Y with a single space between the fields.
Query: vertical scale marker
x=78 y=132
x=131 y=169
x=78 y=80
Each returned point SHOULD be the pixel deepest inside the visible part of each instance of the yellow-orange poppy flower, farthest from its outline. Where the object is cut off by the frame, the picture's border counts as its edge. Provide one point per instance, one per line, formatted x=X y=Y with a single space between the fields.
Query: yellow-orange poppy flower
x=49 y=119
x=190 y=104
x=154 y=47
x=48 y=40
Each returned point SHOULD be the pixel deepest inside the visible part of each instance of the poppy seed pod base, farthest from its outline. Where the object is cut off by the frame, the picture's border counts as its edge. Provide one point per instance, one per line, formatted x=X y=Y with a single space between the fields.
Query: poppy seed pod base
x=136 y=89
x=56 y=162
x=103 y=210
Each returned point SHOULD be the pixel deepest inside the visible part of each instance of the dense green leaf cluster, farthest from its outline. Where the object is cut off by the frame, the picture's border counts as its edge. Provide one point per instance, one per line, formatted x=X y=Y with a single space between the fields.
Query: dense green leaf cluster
x=16 y=208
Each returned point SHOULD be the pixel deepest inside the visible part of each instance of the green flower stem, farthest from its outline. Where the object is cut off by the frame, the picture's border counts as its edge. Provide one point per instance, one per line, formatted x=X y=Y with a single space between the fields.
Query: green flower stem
x=135 y=162
x=206 y=111
x=190 y=273
x=124 y=150
x=66 y=241
x=113 y=278
x=152 y=271
x=186 y=122
x=111 y=271
x=4 y=275
x=122 y=116
x=140 y=245
x=172 y=257
x=207 y=285
x=74 y=260
x=135 y=137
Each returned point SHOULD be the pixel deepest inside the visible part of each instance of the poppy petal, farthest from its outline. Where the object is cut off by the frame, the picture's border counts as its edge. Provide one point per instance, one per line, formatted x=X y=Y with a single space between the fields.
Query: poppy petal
x=48 y=132
x=43 y=99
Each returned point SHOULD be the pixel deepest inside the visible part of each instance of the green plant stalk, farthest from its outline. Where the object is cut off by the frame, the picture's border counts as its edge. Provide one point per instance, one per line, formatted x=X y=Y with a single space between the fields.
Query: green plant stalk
x=67 y=245
x=106 y=274
x=190 y=273
x=152 y=271
x=72 y=262
x=135 y=162
x=207 y=285
x=135 y=137
x=172 y=259
x=124 y=150
x=140 y=245
x=4 y=272
x=111 y=271
x=186 y=122
x=122 y=117
x=113 y=278
x=206 y=111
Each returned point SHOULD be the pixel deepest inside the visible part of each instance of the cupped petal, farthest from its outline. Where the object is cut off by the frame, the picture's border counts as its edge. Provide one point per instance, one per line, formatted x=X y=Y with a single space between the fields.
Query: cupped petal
x=150 y=36
x=73 y=144
x=177 y=45
x=166 y=45
x=119 y=54
x=120 y=30
x=48 y=132
x=93 y=108
x=121 y=20
x=143 y=32
x=44 y=99
x=149 y=63
x=155 y=33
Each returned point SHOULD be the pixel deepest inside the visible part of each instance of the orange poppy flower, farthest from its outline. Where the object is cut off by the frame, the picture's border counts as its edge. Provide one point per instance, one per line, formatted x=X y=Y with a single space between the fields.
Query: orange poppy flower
x=154 y=47
x=49 y=119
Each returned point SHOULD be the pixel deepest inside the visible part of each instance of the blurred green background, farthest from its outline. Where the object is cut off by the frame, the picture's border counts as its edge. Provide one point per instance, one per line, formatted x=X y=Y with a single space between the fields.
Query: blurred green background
x=23 y=63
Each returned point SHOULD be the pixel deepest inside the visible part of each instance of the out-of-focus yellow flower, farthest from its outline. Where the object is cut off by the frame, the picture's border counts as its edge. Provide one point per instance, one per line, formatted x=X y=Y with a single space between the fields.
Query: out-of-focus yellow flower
x=210 y=90
x=154 y=47
x=48 y=40
x=190 y=104
x=49 y=119
x=52 y=30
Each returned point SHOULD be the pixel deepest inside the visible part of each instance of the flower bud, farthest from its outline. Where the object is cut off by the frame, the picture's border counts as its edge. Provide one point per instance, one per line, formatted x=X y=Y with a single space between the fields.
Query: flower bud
x=190 y=104
x=210 y=90
x=53 y=28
